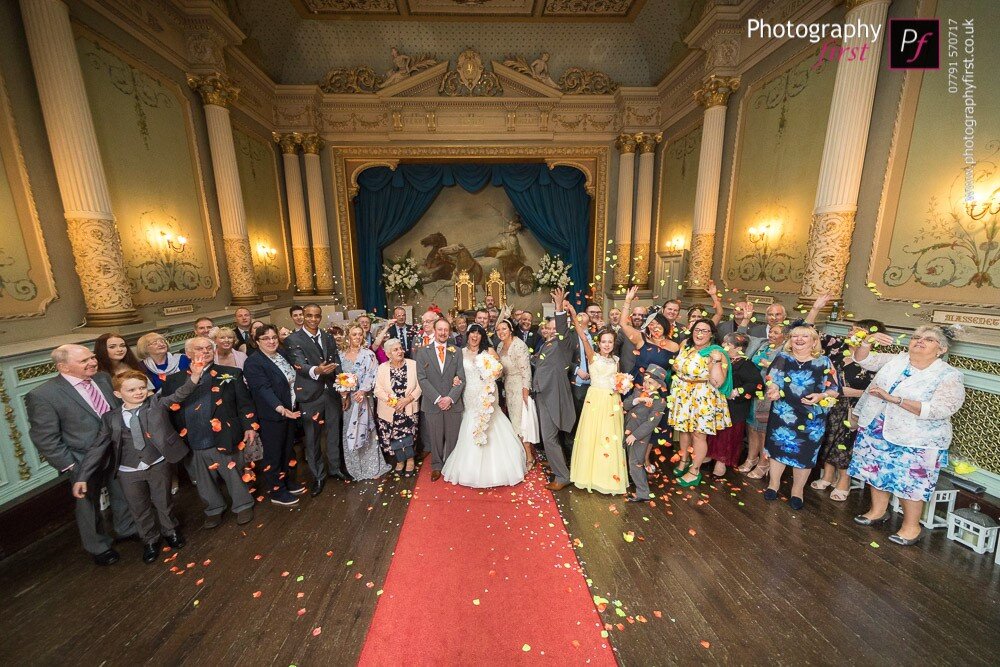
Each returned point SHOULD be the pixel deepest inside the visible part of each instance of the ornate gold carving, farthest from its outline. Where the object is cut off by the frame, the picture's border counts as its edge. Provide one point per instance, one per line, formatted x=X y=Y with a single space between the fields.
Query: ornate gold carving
x=828 y=252
x=241 y=276
x=351 y=6
x=584 y=122
x=977 y=433
x=700 y=263
x=537 y=70
x=403 y=66
x=23 y=469
x=470 y=78
x=312 y=144
x=580 y=7
x=289 y=142
x=640 y=264
x=465 y=292
x=354 y=122
x=635 y=118
x=626 y=143
x=647 y=142
x=497 y=288
x=579 y=81
x=716 y=91
x=622 y=259
x=36 y=371
x=341 y=80
x=215 y=89
x=325 y=285
x=303 y=271
x=97 y=249
x=851 y=5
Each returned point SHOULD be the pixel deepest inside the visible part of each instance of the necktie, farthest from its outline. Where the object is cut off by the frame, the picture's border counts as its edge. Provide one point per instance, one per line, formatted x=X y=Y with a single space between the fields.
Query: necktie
x=441 y=353
x=316 y=340
x=402 y=335
x=96 y=397
x=427 y=340
x=138 y=440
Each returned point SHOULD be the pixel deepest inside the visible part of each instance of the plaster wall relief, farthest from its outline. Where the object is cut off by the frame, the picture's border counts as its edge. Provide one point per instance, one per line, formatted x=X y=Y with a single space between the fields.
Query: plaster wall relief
x=145 y=133
x=938 y=234
x=779 y=143
x=26 y=283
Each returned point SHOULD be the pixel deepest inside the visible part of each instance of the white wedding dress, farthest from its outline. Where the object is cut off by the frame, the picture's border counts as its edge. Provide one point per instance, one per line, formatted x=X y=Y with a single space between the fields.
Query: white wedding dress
x=498 y=462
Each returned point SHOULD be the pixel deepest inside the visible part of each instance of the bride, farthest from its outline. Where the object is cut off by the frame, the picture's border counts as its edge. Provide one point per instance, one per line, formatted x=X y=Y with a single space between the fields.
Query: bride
x=488 y=452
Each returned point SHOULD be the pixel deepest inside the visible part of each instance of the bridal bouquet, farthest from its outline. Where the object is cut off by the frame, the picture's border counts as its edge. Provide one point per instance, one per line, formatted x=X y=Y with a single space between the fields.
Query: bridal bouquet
x=400 y=275
x=490 y=369
x=552 y=272
x=623 y=383
x=346 y=382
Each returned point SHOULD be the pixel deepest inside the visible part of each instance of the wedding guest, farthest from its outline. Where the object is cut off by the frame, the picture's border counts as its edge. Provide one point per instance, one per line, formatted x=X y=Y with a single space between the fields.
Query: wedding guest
x=159 y=362
x=243 y=318
x=644 y=408
x=624 y=348
x=904 y=426
x=398 y=395
x=426 y=334
x=114 y=355
x=652 y=347
x=702 y=381
x=527 y=331
x=615 y=319
x=400 y=330
x=441 y=374
x=270 y=377
x=671 y=312
x=516 y=362
x=202 y=326
x=801 y=382
x=140 y=444
x=598 y=461
x=362 y=454
x=493 y=315
x=756 y=464
x=596 y=317
x=226 y=353
x=775 y=318
x=297 y=313
x=461 y=325
x=580 y=370
x=726 y=445
x=216 y=420
x=743 y=322
x=381 y=337
x=316 y=358
x=482 y=318
x=251 y=345
x=365 y=322
x=65 y=416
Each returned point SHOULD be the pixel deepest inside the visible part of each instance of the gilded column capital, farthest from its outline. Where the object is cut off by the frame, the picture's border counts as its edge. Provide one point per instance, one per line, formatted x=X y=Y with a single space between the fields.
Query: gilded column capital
x=625 y=143
x=311 y=143
x=851 y=5
x=289 y=141
x=647 y=142
x=216 y=89
x=716 y=91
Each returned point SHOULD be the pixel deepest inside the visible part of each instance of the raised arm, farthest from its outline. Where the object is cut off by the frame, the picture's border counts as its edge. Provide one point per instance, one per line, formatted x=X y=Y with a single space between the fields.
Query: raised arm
x=713 y=292
x=581 y=331
x=863 y=351
x=634 y=335
x=817 y=306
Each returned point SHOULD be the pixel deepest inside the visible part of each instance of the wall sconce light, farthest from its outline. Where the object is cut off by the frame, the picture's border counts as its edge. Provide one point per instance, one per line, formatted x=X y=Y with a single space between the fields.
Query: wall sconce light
x=266 y=252
x=676 y=244
x=763 y=231
x=168 y=242
x=978 y=208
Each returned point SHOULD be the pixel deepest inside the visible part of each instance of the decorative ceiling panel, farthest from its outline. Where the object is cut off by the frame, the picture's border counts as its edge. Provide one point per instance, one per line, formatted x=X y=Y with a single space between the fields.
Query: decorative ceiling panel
x=595 y=8
x=366 y=9
x=467 y=8
x=573 y=10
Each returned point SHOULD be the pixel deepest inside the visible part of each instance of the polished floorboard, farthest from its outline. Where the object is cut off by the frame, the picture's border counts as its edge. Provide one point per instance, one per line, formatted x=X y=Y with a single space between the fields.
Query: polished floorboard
x=717 y=576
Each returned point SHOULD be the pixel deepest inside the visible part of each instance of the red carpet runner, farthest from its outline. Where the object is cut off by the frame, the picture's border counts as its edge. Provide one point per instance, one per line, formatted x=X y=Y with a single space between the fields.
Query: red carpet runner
x=484 y=577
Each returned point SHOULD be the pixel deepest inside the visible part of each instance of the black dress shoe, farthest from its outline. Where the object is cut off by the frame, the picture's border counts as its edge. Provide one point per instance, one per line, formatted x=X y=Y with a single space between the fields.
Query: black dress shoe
x=175 y=540
x=905 y=542
x=862 y=520
x=150 y=552
x=317 y=487
x=109 y=557
x=213 y=521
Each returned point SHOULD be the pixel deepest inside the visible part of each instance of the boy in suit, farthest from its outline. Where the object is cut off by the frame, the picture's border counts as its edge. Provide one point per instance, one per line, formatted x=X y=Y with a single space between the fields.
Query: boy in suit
x=140 y=443
x=645 y=406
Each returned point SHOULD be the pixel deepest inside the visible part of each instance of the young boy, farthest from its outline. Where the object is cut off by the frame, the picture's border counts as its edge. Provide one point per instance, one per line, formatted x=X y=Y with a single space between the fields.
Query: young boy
x=142 y=442
x=644 y=408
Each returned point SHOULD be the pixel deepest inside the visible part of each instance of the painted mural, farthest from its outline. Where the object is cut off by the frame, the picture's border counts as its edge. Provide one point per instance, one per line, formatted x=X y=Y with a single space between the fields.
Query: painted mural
x=256 y=161
x=779 y=145
x=489 y=226
x=26 y=285
x=146 y=137
x=938 y=237
x=678 y=184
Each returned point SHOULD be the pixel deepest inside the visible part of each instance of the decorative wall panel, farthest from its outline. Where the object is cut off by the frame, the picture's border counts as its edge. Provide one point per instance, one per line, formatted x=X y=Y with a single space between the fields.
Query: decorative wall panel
x=258 y=168
x=26 y=284
x=678 y=183
x=146 y=137
x=938 y=236
x=779 y=145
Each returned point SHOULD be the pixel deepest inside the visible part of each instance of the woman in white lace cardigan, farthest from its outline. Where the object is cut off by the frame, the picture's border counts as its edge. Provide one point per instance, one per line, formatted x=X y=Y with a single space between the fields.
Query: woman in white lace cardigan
x=904 y=426
x=516 y=360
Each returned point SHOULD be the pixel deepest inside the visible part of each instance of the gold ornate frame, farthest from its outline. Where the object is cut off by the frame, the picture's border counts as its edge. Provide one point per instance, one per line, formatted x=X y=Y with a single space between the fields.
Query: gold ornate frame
x=349 y=161
x=27 y=215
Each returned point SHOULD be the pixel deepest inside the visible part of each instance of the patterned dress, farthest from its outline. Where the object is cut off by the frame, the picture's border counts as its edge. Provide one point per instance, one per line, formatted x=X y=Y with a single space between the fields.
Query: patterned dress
x=695 y=405
x=398 y=434
x=362 y=455
x=795 y=430
x=838 y=443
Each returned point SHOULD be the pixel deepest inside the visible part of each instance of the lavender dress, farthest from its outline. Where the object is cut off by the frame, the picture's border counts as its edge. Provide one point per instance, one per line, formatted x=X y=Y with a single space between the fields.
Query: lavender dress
x=362 y=454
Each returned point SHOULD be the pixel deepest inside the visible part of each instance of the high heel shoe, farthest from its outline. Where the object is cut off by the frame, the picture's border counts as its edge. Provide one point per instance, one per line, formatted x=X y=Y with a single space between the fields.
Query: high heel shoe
x=694 y=482
x=748 y=465
x=683 y=468
x=760 y=471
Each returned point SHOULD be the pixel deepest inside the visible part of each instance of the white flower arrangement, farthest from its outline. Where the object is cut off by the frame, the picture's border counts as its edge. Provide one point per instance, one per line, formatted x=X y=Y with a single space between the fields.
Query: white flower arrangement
x=400 y=275
x=553 y=272
x=490 y=369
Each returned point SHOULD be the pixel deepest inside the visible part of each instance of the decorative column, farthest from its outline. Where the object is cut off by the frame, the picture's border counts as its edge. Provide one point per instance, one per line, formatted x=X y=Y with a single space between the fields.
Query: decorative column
x=83 y=187
x=323 y=258
x=217 y=93
x=290 y=143
x=623 y=220
x=832 y=223
x=644 y=208
x=714 y=96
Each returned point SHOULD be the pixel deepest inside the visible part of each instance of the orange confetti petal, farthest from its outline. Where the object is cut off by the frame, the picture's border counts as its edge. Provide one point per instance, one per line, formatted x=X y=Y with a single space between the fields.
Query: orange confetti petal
x=257 y=594
x=317 y=631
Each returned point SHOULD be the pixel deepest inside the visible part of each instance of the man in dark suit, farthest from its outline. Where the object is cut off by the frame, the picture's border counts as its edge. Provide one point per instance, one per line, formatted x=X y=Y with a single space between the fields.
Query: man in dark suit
x=624 y=349
x=65 y=415
x=743 y=322
x=244 y=318
x=401 y=331
x=217 y=420
x=316 y=359
x=528 y=332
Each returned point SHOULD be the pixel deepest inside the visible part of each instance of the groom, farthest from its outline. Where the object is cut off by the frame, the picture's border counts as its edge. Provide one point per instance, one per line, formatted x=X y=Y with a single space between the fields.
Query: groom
x=551 y=388
x=441 y=375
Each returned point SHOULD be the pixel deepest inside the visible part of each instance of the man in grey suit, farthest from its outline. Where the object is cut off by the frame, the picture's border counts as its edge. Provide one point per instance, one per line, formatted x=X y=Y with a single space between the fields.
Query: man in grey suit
x=551 y=388
x=775 y=316
x=441 y=375
x=65 y=415
x=743 y=322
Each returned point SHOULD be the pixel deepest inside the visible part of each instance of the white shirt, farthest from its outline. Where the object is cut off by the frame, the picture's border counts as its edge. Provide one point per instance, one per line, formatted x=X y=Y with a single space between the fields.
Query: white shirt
x=127 y=417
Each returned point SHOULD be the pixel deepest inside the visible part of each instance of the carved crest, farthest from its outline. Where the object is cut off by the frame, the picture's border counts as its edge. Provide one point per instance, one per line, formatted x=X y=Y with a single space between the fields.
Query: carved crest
x=470 y=79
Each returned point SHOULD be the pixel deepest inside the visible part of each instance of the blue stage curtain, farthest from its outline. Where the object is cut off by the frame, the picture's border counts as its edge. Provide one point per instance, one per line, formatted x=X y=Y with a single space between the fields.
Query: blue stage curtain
x=553 y=204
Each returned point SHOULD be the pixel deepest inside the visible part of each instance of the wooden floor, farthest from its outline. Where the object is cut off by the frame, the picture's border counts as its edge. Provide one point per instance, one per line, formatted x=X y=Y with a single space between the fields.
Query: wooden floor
x=718 y=577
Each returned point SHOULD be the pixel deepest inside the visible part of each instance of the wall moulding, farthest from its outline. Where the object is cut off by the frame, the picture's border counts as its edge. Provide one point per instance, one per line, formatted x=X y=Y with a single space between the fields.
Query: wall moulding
x=349 y=161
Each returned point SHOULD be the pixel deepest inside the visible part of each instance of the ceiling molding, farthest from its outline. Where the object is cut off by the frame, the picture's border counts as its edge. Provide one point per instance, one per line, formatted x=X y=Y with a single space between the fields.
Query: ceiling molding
x=556 y=11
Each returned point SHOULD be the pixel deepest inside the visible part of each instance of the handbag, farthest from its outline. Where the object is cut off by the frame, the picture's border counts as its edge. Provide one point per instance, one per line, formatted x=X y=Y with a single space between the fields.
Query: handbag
x=253 y=450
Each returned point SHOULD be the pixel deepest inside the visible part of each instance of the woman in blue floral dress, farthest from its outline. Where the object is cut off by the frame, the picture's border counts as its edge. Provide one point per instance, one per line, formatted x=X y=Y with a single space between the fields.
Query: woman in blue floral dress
x=362 y=454
x=802 y=385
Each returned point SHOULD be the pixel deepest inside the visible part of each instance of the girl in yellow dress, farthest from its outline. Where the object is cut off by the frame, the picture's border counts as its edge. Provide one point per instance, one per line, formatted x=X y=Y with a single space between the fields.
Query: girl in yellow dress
x=702 y=381
x=598 y=462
